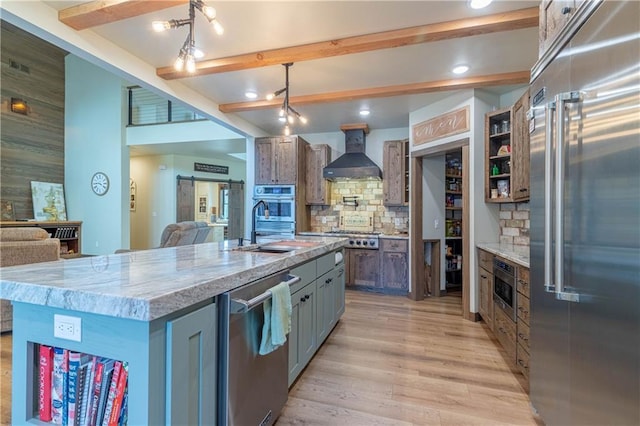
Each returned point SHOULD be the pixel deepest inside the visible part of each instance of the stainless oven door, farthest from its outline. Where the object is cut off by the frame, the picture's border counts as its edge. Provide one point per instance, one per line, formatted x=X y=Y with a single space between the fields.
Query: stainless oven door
x=504 y=292
x=281 y=209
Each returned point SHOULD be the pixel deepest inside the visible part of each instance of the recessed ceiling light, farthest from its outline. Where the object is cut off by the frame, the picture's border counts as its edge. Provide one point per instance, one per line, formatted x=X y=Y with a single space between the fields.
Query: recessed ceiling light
x=479 y=4
x=460 y=69
x=364 y=112
x=251 y=94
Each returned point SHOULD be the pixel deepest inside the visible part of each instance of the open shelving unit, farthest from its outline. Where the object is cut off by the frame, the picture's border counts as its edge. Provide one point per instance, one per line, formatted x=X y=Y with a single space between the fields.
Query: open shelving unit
x=507 y=153
x=68 y=232
x=453 y=220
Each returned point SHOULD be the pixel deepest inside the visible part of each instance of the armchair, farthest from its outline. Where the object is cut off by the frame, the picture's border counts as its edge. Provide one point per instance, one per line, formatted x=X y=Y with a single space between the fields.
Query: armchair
x=19 y=246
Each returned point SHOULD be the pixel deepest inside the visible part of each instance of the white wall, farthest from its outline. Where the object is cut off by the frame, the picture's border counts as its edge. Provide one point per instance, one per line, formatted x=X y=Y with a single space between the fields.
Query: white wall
x=374 y=141
x=94 y=141
x=510 y=98
x=484 y=219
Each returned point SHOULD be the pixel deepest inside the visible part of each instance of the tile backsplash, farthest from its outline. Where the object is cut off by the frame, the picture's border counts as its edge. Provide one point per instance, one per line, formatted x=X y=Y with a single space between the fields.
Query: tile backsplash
x=514 y=223
x=368 y=195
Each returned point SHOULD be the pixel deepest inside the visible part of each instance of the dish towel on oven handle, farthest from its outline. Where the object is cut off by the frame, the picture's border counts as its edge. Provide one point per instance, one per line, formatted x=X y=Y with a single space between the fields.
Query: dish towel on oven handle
x=277 y=318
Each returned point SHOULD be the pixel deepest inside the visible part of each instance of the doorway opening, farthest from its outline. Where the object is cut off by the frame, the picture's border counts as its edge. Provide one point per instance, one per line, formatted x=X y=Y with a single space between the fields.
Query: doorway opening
x=440 y=208
x=453 y=223
x=218 y=202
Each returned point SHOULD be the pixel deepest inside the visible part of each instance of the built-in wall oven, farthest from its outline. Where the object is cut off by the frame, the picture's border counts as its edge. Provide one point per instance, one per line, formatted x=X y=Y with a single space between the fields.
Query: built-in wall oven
x=282 y=209
x=504 y=287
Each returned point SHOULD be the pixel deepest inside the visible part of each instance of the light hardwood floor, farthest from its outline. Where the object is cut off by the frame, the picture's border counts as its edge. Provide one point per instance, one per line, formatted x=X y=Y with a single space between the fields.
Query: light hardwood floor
x=392 y=361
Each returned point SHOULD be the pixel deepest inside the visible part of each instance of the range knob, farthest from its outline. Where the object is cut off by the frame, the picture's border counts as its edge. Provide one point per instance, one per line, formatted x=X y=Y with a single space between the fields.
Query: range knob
x=351 y=242
x=372 y=242
x=364 y=243
x=358 y=242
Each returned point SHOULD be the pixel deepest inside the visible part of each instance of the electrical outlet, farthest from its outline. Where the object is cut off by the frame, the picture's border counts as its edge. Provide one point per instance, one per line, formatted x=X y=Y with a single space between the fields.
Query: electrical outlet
x=435 y=224
x=324 y=219
x=66 y=327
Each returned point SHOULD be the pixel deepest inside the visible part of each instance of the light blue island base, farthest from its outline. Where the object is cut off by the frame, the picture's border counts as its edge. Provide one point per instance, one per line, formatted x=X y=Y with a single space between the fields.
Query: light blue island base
x=158 y=311
x=179 y=348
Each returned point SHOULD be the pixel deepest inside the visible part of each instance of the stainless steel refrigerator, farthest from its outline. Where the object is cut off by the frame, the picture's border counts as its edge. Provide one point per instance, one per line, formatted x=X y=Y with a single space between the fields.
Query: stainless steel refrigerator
x=585 y=221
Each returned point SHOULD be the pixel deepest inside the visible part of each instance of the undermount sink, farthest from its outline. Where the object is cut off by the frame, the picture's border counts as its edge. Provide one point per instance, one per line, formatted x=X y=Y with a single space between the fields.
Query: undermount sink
x=278 y=247
x=266 y=249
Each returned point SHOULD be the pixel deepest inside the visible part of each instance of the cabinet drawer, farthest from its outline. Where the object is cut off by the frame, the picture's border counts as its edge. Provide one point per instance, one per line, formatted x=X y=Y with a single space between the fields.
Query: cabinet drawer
x=505 y=331
x=394 y=245
x=522 y=361
x=523 y=309
x=486 y=260
x=523 y=334
x=307 y=274
x=523 y=281
x=326 y=263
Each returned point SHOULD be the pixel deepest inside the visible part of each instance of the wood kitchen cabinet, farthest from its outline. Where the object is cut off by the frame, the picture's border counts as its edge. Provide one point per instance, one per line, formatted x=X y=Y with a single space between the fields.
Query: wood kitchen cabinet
x=394 y=265
x=318 y=188
x=302 y=338
x=554 y=16
x=524 y=320
x=507 y=153
x=317 y=304
x=505 y=330
x=485 y=274
x=330 y=294
x=362 y=268
x=280 y=160
x=395 y=182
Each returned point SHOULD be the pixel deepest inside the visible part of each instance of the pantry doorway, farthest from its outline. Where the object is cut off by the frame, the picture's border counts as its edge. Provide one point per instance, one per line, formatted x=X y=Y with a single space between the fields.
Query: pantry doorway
x=439 y=209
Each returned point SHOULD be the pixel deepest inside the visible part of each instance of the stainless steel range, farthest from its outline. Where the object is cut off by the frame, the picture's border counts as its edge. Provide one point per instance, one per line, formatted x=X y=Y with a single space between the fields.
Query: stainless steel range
x=358 y=227
x=359 y=239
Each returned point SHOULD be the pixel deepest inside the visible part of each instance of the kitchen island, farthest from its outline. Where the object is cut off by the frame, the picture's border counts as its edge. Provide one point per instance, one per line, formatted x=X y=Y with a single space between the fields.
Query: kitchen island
x=141 y=307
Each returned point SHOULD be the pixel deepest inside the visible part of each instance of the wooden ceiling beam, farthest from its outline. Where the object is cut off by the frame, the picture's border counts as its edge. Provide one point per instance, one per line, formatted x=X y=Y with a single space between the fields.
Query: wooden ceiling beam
x=518 y=77
x=94 y=13
x=507 y=21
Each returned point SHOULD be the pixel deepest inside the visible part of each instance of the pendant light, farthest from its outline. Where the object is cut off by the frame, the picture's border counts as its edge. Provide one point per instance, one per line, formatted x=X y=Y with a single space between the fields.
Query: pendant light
x=287 y=113
x=188 y=52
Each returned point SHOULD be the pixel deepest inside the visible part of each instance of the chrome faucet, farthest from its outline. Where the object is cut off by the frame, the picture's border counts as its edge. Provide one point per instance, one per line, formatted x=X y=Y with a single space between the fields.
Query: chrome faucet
x=253 y=218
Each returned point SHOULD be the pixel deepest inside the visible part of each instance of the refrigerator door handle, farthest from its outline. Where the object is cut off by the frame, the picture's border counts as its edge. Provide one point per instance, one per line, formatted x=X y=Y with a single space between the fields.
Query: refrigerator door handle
x=548 y=198
x=561 y=99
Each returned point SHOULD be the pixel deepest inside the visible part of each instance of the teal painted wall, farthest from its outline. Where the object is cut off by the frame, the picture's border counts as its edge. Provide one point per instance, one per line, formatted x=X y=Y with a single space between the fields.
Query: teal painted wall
x=95 y=114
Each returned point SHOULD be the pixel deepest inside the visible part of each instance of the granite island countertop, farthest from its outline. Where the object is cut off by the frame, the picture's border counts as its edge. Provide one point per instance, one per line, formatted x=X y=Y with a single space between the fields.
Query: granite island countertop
x=149 y=284
x=514 y=253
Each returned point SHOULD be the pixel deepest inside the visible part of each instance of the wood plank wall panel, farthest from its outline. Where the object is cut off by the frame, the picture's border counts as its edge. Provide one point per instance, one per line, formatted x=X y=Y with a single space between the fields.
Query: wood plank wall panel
x=32 y=146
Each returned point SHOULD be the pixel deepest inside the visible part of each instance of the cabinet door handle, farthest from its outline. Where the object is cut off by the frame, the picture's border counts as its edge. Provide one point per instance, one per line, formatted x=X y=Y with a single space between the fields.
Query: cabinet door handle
x=524 y=189
x=566 y=10
x=307 y=297
x=302 y=299
x=484 y=277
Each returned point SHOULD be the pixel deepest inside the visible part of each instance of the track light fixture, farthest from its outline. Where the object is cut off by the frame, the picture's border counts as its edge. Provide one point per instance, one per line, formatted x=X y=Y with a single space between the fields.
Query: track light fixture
x=188 y=52
x=287 y=114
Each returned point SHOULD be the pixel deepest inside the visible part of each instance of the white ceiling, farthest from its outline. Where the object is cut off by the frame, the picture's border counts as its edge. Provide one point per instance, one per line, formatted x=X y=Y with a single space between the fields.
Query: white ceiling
x=251 y=26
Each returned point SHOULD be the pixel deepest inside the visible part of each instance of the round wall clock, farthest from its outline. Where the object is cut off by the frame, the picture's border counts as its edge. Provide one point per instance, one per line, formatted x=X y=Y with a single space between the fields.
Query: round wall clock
x=100 y=183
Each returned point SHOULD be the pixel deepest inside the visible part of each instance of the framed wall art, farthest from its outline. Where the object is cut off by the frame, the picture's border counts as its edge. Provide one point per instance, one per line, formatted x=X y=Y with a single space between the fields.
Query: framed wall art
x=48 y=201
x=6 y=210
x=132 y=195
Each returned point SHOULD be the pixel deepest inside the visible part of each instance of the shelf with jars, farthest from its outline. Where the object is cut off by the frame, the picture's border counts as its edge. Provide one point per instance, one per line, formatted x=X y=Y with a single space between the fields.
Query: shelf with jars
x=453 y=220
x=507 y=153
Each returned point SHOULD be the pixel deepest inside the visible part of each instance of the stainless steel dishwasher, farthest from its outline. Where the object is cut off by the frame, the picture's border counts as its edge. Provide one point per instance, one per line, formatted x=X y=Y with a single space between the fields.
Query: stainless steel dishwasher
x=252 y=388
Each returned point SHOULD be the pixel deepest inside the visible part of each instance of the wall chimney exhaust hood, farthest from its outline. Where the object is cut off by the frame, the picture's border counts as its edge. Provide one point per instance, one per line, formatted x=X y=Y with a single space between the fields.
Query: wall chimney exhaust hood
x=354 y=163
